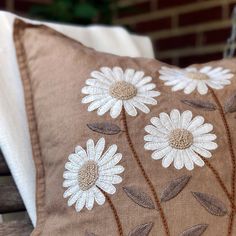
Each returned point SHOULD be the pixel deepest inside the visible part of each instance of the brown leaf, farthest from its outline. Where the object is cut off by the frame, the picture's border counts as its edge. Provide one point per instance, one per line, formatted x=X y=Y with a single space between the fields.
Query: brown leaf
x=142 y=230
x=196 y=230
x=211 y=203
x=174 y=188
x=230 y=104
x=104 y=128
x=200 y=104
x=139 y=197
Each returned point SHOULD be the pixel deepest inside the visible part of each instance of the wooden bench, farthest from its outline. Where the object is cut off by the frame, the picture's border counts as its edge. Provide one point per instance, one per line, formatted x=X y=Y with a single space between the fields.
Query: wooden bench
x=14 y=220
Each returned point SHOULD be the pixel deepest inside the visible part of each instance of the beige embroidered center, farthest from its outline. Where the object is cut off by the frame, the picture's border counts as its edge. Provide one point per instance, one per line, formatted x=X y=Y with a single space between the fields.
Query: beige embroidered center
x=123 y=90
x=180 y=138
x=88 y=175
x=197 y=76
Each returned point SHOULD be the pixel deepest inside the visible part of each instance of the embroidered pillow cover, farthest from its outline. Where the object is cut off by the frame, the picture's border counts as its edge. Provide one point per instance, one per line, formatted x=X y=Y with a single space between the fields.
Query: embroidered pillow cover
x=127 y=146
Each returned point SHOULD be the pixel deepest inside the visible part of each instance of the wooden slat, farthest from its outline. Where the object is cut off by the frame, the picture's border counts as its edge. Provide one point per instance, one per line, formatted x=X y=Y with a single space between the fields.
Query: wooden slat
x=4 y=170
x=10 y=199
x=16 y=228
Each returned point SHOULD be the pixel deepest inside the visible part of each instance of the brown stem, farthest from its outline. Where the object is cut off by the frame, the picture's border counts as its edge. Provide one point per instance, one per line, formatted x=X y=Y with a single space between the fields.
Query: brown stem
x=149 y=183
x=116 y=216
x=232 y=154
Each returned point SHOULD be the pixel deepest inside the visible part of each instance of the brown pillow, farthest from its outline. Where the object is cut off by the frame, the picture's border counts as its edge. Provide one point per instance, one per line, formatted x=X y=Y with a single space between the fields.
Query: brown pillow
x=127 y=146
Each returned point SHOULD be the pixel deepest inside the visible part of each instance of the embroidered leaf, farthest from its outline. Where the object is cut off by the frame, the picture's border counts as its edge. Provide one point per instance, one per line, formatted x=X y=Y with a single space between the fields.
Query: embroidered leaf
x=196 y=230
x=139 y=197
x=211 y=203
x=174 y=188
x=104 y=128
x=200 y=104
x=142 y=230
x=230 y=104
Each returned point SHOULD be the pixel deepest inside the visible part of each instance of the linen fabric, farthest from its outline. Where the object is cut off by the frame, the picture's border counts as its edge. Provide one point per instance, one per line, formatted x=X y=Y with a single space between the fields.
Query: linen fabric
x=143 y=189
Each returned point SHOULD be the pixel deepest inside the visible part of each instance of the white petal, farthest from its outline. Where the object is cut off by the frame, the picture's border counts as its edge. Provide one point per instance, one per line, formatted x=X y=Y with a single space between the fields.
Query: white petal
x=80 y=152
x=93 y=90
x=144 y=81
x=201 y=151
x=107 y=72
x=204 y=138
x=166 y=121
x=128 y=75
x=142 y=107
x=76 y=159
x=104 y=108
x=99 y=148
x=97 y=83
x=81 y=202
x=206 y=145
x=161 y=153
x=190 y=87
x=175 y=118
x=90 y=199
x=73 y=198
x=70 y=191
x=98 y=103
x=151 y=138
x=118 y=73
x=137 y=77
x=112 y=161
x=146 y=100
x=188 y=162
x=201 y=87
x=155 y=146
x=151 y=93
x=91 y=98
x=203 y=129
x=156 y=131
x=69 y=182
x=195 y=158
x=107 y=187
x=130 y=109
x=195 y=123
x=113 y=171
x=108 y=154
x=205 y=69
x=147 y=87
x=70 y=175
x=157 y=122
x=186 y=117
x=72 y=167
x=178 y=160
x=181 y=85
x=169 y=158
x=116 y=109
x=90 y=149
x=99 y=196
x=113 y=179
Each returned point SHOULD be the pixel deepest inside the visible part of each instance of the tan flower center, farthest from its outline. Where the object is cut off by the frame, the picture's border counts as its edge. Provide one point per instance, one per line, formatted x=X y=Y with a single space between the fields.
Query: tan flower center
x=88 y=175
x=180 y=139
x=123 y=90
x=197 y=76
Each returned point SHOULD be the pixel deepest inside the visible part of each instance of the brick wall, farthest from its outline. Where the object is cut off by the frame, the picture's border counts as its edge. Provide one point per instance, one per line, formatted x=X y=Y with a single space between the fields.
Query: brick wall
x=182 y=31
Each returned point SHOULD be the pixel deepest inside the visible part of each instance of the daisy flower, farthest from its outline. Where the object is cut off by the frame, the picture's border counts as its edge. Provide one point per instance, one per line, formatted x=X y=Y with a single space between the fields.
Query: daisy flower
x=112 y=88
x=88 y=172
x=180 y=139
x=191 y=78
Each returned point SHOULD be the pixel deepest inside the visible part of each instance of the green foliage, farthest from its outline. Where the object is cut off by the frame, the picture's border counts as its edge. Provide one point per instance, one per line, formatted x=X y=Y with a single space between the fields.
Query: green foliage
x=76 y=11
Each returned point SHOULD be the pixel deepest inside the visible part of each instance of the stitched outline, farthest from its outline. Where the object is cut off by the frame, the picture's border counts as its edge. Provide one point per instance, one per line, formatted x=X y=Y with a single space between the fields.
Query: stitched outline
x=114 y=211
x=150 y=184
x=232 y=154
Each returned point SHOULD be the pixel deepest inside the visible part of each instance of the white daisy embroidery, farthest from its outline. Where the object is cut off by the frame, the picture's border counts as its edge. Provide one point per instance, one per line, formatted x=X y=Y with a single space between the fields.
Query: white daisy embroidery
x=191 y=78
x=89 y=172
x=180 y=139
x=112 y=89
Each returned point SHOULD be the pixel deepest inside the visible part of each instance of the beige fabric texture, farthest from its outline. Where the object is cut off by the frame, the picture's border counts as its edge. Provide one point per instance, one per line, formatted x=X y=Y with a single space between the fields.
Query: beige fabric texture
x=54 y=69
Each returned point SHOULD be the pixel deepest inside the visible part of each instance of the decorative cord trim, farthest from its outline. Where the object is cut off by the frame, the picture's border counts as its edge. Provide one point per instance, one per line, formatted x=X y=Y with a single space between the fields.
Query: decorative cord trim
x=116 y=216
x=32 y=121
x=150 y=184
x=232 y=154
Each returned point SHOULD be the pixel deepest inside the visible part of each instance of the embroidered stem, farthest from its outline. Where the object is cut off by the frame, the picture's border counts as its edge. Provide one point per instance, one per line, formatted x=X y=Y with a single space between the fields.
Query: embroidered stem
x=117 y=219
x=150 y=184
x=232 y=154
